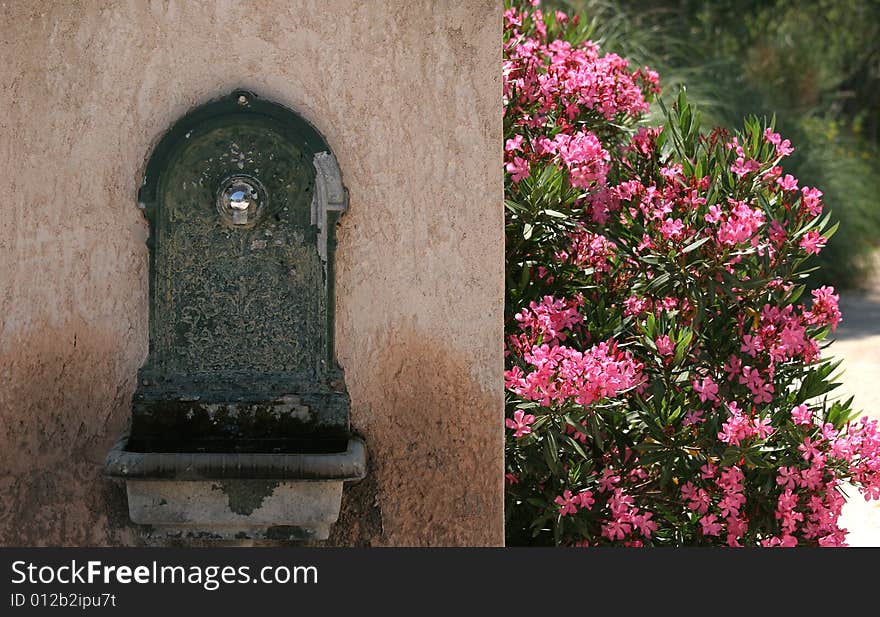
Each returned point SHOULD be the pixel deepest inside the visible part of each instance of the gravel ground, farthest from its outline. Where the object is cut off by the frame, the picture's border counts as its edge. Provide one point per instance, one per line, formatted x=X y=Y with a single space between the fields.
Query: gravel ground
x=857 y=341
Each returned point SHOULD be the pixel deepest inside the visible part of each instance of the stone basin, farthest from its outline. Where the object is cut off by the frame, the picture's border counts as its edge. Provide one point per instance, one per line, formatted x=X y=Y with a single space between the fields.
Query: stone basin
x=236 y=495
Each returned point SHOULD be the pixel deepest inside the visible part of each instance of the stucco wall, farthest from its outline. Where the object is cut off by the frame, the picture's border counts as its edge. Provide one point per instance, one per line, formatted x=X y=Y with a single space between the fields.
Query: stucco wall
x=407 y=94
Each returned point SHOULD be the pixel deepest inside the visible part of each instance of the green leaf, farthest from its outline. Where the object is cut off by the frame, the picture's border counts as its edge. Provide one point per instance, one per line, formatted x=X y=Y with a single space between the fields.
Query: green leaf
x=695 y=245
x=831 y=230
x=595 y=432
x=576 y=446
x=647 y=446
x=650 y=325
x=551 y=453
x=555 y=214
x=796 y=293
x=731 y=455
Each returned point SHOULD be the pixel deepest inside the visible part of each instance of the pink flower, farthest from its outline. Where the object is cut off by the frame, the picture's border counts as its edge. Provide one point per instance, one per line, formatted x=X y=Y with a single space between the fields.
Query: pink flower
x=732 y=367
x=567 y=503
x=518 y=168
x=772 y=174
x=608 y=481
x=710 y=525
x=743 y=222
x=670 y=303
x=808 y=448
x=786 y=541
x=731 y=503
x=513 y=144
x=735 y=146
x=698 y=499
x=651 y=79
x=644 y=524
x=731 y=480
x=736 y=527
x=707 y=389
x=543 y=145
x=590 y=249
x=671 y=173
x=584 y=157
x=694 y=416
x=785 y=510
x=802 y=415
x=743 y=167
x=751 y=345
x=635 y=306
x=664 y=345
x=811 y=201
x=777 y=233
x=616 y=529
x=762 y=427
x=586 y=500
x=788 y=183
x=714 y=214
x=812 y=242
x=550 y=318
x=671 y=229
x=832 y=540
x=520 y=423
x=561 y=374
x=513 y=18
x=645 y=138
x=751 y=377
x=784 y=148
x=792 y=337
x=763 y=393
x=825 y=310
x=739 y=427
x=771 y=137
x=787 y=477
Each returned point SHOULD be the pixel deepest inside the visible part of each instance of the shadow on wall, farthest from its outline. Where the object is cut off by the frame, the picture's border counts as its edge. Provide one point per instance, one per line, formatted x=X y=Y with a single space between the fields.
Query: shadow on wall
x=432 y=429
x=63 y=401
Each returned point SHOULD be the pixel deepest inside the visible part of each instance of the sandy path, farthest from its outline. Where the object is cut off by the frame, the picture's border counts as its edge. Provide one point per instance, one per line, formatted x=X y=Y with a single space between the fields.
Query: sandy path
x=857 y=342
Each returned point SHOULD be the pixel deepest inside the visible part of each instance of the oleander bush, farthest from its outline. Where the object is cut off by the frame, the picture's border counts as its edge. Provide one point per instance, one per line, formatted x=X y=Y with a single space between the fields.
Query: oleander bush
x=666 y=375
x=741 y=57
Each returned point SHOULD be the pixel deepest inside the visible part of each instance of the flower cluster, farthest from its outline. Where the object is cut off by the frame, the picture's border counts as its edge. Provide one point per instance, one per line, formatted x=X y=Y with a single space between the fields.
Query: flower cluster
x=559 y=374
x=546 y=78
x=665 y=375
x=718 y=504
x=739 y=427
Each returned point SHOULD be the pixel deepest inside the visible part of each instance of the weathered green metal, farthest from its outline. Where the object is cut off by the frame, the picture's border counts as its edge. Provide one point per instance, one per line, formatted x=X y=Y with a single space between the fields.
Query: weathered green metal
x=241 y=286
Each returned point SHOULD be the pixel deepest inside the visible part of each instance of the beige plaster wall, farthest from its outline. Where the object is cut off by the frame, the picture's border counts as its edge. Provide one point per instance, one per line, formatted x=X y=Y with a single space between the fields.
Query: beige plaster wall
x=408 y=95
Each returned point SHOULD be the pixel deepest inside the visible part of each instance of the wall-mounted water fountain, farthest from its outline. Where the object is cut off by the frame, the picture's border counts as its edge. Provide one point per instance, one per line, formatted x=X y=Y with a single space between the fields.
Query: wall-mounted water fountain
x=240 y=421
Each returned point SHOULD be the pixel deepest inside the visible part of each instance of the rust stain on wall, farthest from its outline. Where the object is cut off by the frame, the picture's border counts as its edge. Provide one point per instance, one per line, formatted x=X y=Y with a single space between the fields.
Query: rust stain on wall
x=413 y=113
x=439 y=468
x=435 y=471
x=62 y=403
